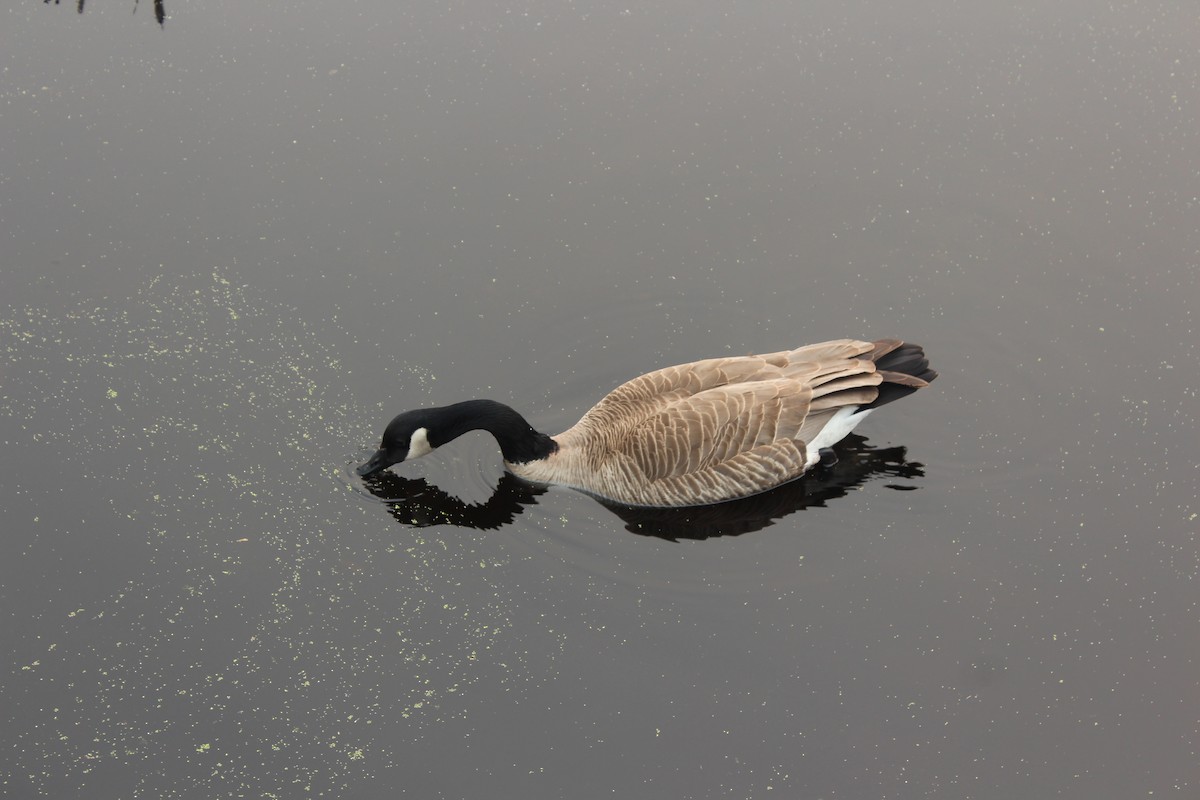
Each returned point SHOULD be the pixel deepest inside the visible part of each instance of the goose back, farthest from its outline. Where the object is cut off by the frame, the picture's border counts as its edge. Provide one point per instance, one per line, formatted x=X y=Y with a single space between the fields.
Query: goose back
x=724 y=428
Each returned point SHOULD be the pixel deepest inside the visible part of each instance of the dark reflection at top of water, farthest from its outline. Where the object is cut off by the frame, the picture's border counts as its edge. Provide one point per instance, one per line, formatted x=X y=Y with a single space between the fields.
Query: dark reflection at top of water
x=418 y=503
x=160 y=13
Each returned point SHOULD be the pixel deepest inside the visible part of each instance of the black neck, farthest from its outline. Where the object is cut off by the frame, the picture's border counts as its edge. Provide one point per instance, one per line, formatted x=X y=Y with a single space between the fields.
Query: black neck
x=518 y=441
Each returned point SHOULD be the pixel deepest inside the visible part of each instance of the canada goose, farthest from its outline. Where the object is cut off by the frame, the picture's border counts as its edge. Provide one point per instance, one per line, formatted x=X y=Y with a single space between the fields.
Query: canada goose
x=691 y=434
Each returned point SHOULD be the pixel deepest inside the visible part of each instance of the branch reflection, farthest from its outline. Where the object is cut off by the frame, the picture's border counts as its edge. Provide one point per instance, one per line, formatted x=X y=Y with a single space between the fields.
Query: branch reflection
x=417 y=503
x=160 y=13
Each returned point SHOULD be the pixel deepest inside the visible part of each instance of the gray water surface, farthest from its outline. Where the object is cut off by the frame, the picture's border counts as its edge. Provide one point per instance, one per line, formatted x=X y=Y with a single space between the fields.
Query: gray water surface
x=236 y=242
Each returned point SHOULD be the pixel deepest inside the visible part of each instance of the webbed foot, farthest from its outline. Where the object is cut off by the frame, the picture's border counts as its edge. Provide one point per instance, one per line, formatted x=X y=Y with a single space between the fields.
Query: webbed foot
x=828 y=457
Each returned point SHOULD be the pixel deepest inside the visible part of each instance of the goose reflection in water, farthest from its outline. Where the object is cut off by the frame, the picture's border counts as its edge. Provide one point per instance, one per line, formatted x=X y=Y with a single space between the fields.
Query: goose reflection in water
x=418 y=503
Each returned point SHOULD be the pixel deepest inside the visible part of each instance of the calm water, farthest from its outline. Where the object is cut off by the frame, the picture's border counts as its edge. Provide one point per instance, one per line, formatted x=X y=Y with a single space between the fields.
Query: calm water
x=235 y=243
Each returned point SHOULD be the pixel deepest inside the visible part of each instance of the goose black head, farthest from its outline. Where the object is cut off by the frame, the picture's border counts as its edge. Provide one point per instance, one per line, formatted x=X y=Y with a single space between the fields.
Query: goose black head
x=406 y=437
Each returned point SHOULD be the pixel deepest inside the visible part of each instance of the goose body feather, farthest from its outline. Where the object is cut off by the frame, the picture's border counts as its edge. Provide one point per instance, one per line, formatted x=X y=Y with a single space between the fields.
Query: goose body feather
x=711 y=430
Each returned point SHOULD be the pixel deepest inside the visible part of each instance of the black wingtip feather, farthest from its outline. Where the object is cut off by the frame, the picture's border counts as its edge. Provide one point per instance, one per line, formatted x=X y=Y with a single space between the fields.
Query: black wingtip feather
x=904 y=363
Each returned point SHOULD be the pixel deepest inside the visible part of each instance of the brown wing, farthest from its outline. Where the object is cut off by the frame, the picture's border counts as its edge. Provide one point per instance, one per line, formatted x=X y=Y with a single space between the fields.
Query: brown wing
x=634 y=401
x=717 y=429
x=728 y=441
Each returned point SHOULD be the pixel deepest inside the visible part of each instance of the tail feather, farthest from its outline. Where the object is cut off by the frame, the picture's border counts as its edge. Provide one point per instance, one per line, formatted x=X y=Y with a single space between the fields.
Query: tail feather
x=904 y=368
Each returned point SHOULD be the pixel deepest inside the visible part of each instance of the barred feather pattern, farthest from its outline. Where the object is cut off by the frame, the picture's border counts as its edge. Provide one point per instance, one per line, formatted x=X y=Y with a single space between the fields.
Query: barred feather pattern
x=722 y=428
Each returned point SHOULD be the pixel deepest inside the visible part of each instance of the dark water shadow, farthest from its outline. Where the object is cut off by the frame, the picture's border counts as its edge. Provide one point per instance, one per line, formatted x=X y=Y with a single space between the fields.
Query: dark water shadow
x=418 y=503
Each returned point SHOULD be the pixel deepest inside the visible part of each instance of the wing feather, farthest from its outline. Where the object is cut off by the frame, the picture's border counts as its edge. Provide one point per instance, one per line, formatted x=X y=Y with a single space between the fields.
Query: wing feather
x=716 y=429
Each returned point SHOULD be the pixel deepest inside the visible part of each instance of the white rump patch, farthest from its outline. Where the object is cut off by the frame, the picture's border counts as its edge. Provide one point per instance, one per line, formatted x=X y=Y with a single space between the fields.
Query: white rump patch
x=419 y=444
x=838 y=427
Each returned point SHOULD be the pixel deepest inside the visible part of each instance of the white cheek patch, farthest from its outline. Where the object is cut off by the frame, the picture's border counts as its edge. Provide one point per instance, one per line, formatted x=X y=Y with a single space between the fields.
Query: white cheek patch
x=419 y=445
